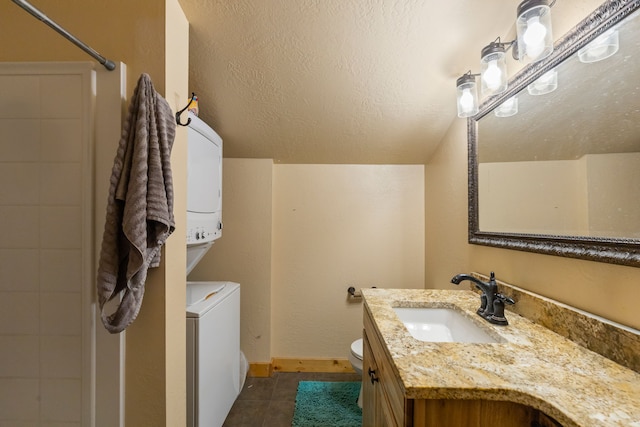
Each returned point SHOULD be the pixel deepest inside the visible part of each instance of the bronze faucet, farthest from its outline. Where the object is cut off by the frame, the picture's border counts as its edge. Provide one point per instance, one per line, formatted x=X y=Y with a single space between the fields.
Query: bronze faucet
x=491 y=302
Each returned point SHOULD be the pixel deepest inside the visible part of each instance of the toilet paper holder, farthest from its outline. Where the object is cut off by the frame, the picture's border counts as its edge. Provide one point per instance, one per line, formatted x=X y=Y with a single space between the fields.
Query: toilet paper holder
x=353 y=293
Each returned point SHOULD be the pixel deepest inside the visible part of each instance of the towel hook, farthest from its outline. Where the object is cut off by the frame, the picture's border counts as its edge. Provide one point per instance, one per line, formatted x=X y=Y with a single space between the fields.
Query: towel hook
x=193 y=97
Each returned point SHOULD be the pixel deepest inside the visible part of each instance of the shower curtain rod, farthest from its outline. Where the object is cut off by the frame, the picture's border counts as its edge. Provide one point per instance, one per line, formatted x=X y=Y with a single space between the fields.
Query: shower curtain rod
x=109 y=65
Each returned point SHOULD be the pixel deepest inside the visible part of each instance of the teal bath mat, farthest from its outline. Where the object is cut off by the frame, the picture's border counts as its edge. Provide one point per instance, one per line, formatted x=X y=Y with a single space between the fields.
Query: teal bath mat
x=327 y=404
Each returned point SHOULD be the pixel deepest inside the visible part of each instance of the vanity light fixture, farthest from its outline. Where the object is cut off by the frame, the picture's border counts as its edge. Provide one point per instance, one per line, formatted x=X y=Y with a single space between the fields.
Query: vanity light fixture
x=467 y=94
x=534 y=42
x=493 y=67
x=546 y=83
x=533 y=29
x=602 y=47
x=508 y=108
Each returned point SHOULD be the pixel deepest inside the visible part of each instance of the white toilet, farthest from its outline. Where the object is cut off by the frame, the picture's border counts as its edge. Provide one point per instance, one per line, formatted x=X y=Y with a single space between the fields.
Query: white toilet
x=355 y=357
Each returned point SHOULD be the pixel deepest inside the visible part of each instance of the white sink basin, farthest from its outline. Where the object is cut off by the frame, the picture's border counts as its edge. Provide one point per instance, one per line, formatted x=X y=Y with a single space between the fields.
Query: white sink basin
x=432 y=324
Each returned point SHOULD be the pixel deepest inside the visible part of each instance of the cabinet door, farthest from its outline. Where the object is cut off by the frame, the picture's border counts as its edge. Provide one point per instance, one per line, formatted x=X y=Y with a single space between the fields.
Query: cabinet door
x=369 y=389
x=375 y=411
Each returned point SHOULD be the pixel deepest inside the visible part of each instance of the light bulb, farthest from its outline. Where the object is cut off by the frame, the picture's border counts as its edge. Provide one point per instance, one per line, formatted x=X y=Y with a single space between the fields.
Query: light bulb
x=597 y=51
x=547 y=77
x=508 y=108
x=546 y=83
x=467 y=95
x=493 y=75
x=601 y=48
x=466 y=100
x=509 y=103
x=534 y=37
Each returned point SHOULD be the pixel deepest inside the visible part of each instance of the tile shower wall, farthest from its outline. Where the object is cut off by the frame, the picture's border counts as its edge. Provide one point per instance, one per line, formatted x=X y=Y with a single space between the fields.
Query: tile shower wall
x=41 y=250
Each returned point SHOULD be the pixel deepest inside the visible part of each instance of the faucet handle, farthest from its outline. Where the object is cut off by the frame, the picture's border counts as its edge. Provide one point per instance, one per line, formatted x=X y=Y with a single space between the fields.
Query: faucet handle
x=505 y=299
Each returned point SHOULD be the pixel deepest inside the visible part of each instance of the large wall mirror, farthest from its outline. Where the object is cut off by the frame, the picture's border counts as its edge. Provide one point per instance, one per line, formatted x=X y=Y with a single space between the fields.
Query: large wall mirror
x=562 y=175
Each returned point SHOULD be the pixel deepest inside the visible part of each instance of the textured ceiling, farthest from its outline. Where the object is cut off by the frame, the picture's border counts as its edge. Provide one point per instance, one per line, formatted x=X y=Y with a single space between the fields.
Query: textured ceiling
x=335 y=81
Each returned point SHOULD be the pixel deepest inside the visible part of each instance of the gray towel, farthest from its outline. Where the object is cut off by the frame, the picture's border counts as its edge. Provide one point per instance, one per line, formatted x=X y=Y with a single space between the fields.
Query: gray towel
x=139 y=215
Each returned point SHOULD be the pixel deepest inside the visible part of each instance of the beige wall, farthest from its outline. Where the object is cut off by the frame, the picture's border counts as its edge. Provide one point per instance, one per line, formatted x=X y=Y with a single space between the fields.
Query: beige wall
x=567 y=197
x=174 y=303
x=155 y=388
x=120 y=30
x=613 y=197
x=150 y=37
x=555 y=202
x=333 y=226
x=607 y=290
x=156 y=342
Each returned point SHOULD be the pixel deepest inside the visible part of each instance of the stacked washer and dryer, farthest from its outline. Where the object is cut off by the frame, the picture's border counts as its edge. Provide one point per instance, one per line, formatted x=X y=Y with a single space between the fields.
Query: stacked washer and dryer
x=216 y=368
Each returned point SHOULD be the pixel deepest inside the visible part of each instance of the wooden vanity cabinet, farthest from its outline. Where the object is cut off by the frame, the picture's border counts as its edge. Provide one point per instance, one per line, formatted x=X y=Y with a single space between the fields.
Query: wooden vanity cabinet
x=385 y=405
x=383 y=400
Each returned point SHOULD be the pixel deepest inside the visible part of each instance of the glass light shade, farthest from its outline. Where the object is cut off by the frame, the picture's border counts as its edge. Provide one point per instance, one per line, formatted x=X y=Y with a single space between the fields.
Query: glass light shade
x=546 y=83
x=493 y=70
x=467 y=94
x=533 y=29
x=508 y=108
x=601 y=47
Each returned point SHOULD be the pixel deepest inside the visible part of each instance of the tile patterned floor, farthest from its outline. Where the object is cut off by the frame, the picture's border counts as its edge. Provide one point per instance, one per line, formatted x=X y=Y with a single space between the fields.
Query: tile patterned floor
x=269 y=402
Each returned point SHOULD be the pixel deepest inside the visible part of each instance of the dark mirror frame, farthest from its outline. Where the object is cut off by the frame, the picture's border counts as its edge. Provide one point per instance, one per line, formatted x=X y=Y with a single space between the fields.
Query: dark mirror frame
x=610 y=250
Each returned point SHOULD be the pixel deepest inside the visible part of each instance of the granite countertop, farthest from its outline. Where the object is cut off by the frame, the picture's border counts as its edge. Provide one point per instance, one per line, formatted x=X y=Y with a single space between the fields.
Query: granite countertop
x=530 y=365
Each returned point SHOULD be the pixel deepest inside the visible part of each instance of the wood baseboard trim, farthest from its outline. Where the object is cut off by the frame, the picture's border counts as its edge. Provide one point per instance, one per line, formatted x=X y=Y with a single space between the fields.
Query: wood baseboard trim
x=283 y=364
x=311 y=365
x=260 y=369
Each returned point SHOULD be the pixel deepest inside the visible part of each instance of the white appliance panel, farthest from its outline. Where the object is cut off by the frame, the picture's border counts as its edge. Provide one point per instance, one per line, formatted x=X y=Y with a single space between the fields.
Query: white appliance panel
x=204 y=183
x=192 y=342
x=213 y=352
x=195 y=252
